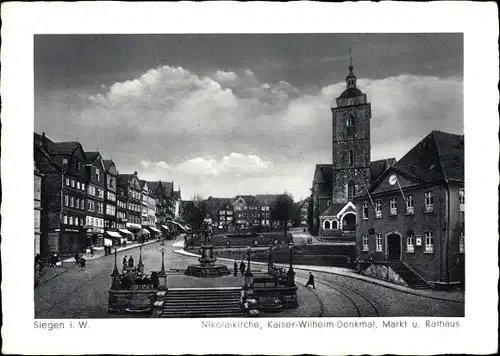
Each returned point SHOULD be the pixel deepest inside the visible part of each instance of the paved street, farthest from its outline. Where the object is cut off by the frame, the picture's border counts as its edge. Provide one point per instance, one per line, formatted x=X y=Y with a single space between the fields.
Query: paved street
x=84 y=293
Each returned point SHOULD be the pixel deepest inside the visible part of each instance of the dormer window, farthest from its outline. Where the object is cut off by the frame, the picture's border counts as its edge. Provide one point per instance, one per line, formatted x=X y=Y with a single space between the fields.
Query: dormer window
x=97 y=175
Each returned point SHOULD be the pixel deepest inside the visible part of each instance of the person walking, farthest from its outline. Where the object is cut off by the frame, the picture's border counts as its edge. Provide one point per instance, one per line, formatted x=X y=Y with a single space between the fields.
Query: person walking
x=242 y=267
x=131 y=262
x=310 y=281
x=77 y=258
x=124 y=262
x=235 y=268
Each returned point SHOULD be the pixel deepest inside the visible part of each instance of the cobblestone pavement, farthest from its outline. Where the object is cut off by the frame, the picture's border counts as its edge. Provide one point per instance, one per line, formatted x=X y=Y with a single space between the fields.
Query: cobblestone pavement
x=84 y=293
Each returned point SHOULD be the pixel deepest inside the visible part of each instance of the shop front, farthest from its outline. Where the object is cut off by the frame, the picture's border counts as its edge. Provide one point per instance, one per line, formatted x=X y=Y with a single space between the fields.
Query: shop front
x=134 y=228
x=155 y=233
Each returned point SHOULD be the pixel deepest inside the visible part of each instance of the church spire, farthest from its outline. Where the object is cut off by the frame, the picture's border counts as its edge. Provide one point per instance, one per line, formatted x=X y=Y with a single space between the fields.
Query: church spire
x=351 y=78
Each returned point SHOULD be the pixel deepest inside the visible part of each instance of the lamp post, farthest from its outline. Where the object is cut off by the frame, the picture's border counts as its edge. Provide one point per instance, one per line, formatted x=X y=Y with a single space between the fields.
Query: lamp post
x=162 y=275
x=248 y=273
x=115 y=284
x=290 y=273
x=140 y=265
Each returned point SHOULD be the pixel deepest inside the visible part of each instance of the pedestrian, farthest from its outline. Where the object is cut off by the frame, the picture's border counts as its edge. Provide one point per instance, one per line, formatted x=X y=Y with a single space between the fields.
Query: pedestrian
x=310 y=281
x=39 y=263
x=242 y=267
x=77 y=258
x=82 y=263
x=235 y=268
x=124 y=262
x=131 y=262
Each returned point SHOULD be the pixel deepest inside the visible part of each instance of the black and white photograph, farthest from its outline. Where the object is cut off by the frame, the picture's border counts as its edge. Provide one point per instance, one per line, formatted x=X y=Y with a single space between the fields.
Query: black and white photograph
x=270 y=180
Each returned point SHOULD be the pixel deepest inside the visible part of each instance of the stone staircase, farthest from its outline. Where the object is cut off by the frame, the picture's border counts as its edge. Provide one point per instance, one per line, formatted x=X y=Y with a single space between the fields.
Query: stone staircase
x=410 y=277
x=199 y=303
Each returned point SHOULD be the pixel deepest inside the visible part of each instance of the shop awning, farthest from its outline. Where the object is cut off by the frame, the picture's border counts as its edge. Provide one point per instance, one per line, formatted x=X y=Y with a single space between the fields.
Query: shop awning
x=113 y=234
x=154 y=229
x=108 y=242
x=143 y=232
x=165 y=227
x=125 y=231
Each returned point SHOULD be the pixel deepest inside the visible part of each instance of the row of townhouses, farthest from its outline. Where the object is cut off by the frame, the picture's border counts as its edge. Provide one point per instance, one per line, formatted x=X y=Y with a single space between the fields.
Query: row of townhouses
x=408 y=213
x=242 y=212
x=82 y=201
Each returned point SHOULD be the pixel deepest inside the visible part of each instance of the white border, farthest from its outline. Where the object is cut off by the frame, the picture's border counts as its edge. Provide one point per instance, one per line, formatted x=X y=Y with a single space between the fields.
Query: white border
x=478 y=22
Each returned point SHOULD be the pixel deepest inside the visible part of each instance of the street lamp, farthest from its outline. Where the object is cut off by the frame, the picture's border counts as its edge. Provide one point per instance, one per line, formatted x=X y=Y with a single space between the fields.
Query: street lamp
x=290 y=273
x=248 y=273
x=115 y=284
x=140 y=265
x=162 y=275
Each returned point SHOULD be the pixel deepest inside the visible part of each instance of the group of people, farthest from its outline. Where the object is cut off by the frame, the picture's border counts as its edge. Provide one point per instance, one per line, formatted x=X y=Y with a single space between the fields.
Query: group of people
x=128 y=263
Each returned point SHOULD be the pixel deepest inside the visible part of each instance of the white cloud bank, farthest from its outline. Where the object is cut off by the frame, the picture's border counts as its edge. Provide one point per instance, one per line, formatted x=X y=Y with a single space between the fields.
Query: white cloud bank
x=169 y=114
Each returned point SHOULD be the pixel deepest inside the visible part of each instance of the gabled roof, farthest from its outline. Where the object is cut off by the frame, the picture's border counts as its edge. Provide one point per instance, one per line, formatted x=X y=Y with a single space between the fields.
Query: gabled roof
x=62 y=148
x=333 y=209
x=267 y=198
x=92 y=155
x=107 y=164
x=249 y=199
x=125 y=178
x=439 y=155
x=380 y=166
x=44 y=162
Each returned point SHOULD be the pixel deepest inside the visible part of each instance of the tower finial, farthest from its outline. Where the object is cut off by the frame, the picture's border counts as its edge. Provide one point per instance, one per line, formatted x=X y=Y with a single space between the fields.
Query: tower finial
x=350 y=59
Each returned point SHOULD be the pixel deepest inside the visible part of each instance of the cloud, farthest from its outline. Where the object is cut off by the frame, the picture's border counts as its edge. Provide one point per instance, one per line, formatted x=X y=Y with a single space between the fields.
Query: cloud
x=175 y=115
x=234 y=163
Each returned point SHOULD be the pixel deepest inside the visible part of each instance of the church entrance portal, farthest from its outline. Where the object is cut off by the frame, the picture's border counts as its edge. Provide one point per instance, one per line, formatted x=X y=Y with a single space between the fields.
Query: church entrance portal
x=394 y=247
x=349 y=222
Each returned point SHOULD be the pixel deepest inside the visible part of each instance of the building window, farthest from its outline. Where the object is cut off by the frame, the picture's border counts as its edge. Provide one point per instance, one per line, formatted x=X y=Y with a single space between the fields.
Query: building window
x=70 y=220
x=72 y=183
x=461 y=199
x=410 y=208
x=410 y=244
x=83 y=186
x=365 y=242
x=91 y=205
x=329 y=202
x=462 y=242
x=77 y=185
x=67 y=182
x=379 y=242
x=82 y=204
x=365 y=210
x=429 y=202
x=65 y=219
x=392 y=206
x=349 y=121
x=72 y=202
x=327 y=225
x=99 y=208
x=429 y=241
x=65 y=161
x=66 y=200
x=97 y=175
x=350 y=190
x=378 y=209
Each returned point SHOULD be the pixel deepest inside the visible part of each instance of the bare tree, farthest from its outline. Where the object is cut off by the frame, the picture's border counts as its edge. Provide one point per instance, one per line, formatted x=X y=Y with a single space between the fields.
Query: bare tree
x=195 y=212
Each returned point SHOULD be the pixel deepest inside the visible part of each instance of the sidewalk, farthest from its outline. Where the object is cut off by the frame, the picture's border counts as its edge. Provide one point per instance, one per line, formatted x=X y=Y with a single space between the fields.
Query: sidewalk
x=100 y=253
x=453 y=296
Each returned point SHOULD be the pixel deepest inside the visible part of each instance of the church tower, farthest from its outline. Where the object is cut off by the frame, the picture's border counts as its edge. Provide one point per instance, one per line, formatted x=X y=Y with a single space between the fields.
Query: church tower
x=351 y=142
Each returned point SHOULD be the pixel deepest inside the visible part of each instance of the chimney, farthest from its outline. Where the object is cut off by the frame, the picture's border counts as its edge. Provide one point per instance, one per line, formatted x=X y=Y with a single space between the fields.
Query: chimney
x=44 y=140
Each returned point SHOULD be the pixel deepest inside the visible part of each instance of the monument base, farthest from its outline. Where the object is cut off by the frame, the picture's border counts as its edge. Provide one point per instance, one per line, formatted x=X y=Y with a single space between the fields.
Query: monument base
x=207 y=267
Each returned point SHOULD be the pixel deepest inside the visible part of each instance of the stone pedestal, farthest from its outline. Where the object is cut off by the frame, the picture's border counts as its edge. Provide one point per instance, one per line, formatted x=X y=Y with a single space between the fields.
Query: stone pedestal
x=207 y=266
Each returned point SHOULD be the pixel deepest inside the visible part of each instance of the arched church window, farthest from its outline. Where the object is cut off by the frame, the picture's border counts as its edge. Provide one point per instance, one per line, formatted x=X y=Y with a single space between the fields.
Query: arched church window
x=351 y=157
x=327 y=225
x=334 y=225
x=350 y=190
x=350 y=121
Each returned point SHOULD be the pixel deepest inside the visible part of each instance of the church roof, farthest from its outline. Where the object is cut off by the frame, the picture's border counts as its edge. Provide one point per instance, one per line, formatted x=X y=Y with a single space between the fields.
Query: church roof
x=351 y=92
x=333 y=209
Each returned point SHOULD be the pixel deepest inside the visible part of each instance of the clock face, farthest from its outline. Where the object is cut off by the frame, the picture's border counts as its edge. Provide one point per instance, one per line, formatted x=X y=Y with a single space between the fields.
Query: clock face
x=393 y=179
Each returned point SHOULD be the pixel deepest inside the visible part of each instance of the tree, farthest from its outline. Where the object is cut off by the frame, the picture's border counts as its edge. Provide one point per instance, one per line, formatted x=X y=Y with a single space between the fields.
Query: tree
x=310 y=218
x=282 y=210
x=195 y=212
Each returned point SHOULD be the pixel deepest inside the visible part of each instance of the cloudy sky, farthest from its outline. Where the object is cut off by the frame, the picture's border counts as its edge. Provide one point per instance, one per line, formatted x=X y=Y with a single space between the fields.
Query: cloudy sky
x=223 y=115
